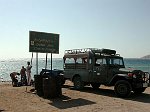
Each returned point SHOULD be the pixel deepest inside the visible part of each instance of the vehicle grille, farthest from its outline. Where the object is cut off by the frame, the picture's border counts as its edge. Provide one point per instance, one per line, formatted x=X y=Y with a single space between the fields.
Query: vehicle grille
x=142 y=76
x=146 y=77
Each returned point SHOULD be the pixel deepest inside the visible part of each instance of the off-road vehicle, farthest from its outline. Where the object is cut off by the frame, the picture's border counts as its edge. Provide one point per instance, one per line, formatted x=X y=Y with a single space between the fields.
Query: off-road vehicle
x=103 y=66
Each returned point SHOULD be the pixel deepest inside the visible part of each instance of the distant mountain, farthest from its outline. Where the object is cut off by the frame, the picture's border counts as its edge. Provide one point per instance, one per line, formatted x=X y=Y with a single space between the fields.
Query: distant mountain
x=146 y=57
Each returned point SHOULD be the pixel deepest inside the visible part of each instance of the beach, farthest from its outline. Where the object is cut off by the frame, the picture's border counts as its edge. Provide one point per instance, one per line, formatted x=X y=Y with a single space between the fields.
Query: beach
x=17 y=99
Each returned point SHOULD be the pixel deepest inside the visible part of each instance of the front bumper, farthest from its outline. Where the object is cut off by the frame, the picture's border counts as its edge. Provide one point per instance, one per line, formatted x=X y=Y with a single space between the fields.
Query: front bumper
x=146 y=78
x=146 y=84
x=142 y=81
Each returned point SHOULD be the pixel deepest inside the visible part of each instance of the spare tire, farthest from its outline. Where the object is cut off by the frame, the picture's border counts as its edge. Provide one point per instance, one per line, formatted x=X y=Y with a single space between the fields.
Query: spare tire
x=78 y=83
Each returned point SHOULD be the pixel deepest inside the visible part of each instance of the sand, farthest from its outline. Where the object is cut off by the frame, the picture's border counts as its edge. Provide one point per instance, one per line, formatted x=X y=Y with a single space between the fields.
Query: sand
x=16 y=99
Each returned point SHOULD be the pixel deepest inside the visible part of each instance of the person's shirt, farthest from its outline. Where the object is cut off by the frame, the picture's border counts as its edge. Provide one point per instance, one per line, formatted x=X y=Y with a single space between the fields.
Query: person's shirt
x=13 y=74
x=23 y=71
x=28 y=69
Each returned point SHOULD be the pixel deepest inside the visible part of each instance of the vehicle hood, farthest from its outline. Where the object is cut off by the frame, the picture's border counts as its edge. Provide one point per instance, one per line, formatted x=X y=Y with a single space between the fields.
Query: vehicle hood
x=126 y=70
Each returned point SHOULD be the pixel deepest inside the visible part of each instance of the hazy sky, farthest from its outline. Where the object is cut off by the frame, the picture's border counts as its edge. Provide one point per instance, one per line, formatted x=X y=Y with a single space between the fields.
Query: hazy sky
x=123 y=25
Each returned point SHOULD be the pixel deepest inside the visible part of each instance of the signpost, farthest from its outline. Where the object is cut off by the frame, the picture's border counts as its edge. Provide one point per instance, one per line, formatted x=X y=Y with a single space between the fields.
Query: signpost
x=41 y=42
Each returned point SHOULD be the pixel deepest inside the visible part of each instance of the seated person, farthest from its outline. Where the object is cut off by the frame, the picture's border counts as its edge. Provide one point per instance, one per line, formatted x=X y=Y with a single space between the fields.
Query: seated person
x=13 y=76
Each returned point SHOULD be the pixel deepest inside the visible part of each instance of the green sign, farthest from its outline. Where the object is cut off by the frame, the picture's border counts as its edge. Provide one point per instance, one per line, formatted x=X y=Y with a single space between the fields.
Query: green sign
x=43 y=42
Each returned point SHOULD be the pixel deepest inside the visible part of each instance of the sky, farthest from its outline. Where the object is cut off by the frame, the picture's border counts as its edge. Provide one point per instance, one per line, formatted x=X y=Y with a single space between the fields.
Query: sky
x=123 y=25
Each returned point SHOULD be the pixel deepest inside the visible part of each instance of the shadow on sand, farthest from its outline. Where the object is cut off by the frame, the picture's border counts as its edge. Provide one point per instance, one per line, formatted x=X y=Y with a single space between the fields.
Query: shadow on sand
x=66 y=102
x=144 y=97
x=2 y=110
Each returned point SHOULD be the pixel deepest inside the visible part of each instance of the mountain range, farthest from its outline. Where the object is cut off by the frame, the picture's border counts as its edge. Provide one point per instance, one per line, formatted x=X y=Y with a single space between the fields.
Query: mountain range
x=146 y=57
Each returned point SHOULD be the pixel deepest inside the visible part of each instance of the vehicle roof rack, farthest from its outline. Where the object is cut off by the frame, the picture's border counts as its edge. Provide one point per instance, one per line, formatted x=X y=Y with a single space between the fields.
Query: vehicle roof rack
x=92 y=50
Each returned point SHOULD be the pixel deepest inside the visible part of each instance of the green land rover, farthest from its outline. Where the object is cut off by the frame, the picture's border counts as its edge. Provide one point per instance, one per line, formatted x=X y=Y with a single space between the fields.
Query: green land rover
x=103 y=67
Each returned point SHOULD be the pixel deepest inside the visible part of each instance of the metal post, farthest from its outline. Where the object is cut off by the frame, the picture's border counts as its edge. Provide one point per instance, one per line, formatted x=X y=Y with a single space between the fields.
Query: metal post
x=46 y=61
x=51 y=62
x=36 y=63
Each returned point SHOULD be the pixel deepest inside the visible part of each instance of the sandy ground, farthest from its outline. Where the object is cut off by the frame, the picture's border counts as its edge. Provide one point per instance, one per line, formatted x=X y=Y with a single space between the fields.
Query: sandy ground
x=16 y=99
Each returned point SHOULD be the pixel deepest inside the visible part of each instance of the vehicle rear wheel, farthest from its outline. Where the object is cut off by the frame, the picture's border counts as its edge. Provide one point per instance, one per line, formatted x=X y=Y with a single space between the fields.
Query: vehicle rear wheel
x=122 y=88
x=95 y=85
x=139 y=90
x=78 y=83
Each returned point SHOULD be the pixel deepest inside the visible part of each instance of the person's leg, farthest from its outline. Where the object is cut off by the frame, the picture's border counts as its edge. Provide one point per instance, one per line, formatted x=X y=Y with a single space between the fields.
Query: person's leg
x=15 y=81
x=22 y=79
x=26 y=80
x=12 y=81
x=29 y=79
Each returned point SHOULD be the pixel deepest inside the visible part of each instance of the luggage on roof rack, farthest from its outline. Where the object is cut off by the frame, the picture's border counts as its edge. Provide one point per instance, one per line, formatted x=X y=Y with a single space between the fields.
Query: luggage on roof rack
x=108 y=51
x=92 y=50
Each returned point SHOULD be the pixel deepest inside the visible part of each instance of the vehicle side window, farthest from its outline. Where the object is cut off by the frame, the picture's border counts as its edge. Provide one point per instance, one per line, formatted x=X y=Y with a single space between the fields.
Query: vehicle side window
x=118 y=61
x=69 y=60
x=84 y=60
x=79 y=60
x=104 y=61
x=101 y=61
x=114 y=61
x=90 y=61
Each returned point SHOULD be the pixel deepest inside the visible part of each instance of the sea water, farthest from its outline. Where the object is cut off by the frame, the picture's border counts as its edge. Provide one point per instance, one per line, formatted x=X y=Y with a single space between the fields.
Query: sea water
x=14 y=65
x=138 y=64
x=8 y=66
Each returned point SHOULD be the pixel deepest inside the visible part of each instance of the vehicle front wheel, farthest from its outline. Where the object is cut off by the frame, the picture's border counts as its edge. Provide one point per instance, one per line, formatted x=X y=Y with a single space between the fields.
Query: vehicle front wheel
x=78 y=83
x=122 y=88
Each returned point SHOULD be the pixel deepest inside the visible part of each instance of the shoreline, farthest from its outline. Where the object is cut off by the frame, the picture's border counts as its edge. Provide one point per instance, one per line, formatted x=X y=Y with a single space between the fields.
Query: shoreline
x=5 y=82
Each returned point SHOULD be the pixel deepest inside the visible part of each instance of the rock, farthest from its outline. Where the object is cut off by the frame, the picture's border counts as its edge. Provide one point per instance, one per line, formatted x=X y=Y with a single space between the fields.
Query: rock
x=146 y=57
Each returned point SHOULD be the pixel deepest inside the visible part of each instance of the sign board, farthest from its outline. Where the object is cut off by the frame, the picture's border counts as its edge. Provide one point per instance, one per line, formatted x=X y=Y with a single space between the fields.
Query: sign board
x=43 y=42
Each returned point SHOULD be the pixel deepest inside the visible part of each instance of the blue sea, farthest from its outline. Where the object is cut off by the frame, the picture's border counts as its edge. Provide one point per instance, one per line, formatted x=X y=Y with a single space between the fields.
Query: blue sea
x=14 y=65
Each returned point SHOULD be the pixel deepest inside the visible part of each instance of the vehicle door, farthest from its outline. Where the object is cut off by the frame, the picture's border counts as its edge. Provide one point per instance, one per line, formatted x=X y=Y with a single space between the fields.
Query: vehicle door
x=100 y=70
x=113 y=66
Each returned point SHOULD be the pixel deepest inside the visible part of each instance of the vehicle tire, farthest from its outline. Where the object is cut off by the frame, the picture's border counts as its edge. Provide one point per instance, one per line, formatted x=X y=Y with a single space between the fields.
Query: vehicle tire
x=95 y=85
x=78 y=83
x=122 y=88
x=63 y=81
x=139 y=90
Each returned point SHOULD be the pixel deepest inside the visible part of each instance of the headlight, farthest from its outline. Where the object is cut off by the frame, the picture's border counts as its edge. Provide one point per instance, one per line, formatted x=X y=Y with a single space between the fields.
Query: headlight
x=131 y=75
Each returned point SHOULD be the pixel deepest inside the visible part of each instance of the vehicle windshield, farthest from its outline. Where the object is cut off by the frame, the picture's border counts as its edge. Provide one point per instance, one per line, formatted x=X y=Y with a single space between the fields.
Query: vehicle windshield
x=115 y=61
